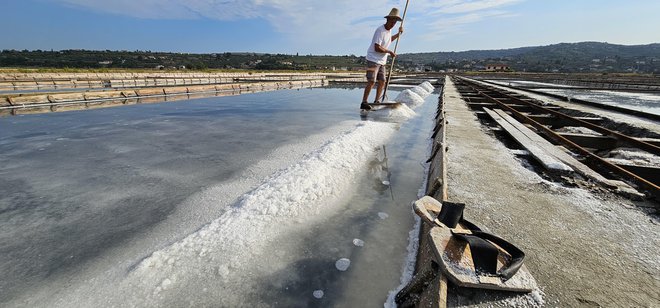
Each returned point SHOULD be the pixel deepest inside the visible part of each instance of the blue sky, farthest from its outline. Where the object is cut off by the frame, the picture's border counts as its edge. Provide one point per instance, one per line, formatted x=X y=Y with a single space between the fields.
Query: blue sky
x=339 y=27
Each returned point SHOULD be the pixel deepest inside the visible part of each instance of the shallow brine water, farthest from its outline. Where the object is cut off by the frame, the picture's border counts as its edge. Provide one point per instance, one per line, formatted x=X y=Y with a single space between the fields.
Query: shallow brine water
x=646 y=102
x=266 y=199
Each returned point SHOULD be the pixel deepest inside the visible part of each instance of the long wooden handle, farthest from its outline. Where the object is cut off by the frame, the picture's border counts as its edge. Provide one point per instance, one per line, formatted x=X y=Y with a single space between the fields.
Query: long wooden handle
x=396 y=45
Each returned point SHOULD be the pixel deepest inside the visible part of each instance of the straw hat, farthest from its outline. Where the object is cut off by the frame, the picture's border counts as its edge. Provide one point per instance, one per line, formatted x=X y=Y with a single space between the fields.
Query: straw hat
x=394 y=13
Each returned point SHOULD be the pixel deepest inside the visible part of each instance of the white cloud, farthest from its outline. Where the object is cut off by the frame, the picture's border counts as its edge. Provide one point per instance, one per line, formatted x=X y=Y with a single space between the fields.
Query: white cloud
x=345 y=23
x=181 y=9
x=465 y=6
x=448 y=18
x=454 y=24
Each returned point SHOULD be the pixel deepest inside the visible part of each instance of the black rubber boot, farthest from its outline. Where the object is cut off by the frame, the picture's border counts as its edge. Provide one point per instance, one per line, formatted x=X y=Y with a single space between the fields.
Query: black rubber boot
x=365 y=106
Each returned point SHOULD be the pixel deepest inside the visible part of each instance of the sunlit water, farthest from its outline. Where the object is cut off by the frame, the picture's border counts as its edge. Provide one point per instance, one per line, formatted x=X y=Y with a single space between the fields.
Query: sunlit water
x=646 y=102
x=87 y=196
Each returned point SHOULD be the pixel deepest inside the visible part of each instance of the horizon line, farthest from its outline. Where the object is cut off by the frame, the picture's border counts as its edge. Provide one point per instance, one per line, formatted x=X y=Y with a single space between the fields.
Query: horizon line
x=309 y=54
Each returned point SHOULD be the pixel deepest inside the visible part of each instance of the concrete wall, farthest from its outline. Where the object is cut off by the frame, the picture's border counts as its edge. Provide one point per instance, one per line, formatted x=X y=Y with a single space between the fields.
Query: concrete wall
x=13 y=104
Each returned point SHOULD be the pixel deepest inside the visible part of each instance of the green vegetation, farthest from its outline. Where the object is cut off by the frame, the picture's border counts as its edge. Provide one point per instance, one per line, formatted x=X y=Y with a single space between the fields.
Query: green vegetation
x=89 y=59
x=575 y=57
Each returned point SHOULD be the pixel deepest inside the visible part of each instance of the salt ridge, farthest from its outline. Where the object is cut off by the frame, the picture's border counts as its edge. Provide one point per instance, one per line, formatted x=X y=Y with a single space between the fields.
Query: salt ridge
x=221 y=254
x=217 y=253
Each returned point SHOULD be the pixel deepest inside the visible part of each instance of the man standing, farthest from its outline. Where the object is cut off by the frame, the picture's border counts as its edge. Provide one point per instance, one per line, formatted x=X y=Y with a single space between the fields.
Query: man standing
x=377 y=56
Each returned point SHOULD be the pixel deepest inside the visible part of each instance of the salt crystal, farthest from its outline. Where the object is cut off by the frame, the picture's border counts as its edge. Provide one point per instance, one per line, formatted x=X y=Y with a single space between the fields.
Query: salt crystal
x=343 y=264
x=318 y=294
x=166 y=283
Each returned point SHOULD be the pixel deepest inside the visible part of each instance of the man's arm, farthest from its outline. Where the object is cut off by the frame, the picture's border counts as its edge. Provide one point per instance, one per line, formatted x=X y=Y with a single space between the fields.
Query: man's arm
x=383 y=50
x=396 y=36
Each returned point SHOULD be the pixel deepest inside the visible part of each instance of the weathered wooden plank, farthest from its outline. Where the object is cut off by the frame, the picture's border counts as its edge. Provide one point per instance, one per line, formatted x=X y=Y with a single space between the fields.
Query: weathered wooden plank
x=103 y=95
x=481 y=105
x=202 y=88
x=105 y=104
x=547 y=119
x=5 y=102
x=31 y=110
x=175 y=90
x=567 y=158
x=649 y=173
x=150 y=91
x=29 y=99
x=224 y=87
x=129 y=94
x=65 y=97
x=549 y=162
x=591 y=141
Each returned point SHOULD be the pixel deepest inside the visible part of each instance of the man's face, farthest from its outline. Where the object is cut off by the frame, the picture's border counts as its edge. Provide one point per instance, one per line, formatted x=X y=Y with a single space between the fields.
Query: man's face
x=390 y=22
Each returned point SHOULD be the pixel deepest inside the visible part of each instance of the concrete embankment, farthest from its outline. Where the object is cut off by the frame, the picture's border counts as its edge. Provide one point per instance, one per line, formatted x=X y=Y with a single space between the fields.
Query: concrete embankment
x=11 y=104
x=583 y=248
x=46 y=81
x=24 y=93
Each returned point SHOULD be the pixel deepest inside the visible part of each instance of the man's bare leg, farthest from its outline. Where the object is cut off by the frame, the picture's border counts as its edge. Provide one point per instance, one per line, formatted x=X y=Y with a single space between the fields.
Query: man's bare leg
x=379 y=90
x=367 y=90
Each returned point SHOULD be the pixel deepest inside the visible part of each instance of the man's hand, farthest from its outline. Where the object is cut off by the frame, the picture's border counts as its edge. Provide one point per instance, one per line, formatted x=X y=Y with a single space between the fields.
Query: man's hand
x=400 y=30
x=391 y=53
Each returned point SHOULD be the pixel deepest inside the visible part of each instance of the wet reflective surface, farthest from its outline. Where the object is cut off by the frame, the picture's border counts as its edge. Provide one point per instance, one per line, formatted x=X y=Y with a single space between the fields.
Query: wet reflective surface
x=88 y=192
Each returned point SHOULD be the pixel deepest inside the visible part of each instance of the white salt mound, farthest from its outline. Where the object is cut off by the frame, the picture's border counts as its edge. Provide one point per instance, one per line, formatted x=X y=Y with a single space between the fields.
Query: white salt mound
x=383 y=215
x=409 y=98
x=318 y=294
x=420 y=91
x=401 y=113
x=358 y=242
x=427 y=86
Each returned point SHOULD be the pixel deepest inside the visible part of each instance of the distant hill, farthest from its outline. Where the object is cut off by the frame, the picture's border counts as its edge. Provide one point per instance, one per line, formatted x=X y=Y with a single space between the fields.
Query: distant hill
x=109 y=59
x=564 y=57
x=574 y=57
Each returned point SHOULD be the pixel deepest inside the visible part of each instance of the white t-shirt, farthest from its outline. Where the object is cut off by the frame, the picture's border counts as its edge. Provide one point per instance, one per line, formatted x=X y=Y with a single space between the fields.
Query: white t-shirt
x=382 y=37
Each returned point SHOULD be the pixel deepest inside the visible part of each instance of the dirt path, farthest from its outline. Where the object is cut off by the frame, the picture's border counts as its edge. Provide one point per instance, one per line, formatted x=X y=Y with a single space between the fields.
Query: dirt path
x=583 y=249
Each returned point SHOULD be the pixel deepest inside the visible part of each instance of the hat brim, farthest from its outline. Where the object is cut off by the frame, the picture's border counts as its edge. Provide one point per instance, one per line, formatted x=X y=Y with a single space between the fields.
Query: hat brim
x=395 y=17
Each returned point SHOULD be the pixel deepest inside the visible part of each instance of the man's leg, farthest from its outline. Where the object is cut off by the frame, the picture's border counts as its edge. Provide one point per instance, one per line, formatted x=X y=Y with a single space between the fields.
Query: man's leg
x=379 y=90
x=367 y=90
x=380 y=76
x=371 y=80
